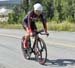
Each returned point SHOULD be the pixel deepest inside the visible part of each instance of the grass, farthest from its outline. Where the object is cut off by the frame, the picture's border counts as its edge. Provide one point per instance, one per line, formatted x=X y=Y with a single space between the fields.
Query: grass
x=11 y=26
x=64 y=26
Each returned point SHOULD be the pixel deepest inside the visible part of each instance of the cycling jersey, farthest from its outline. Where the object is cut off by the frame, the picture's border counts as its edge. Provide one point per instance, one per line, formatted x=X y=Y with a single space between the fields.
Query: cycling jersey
x=30 y=18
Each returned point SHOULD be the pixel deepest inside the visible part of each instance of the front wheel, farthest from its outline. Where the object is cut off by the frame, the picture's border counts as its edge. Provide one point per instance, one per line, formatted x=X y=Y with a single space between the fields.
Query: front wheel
x=40 y=51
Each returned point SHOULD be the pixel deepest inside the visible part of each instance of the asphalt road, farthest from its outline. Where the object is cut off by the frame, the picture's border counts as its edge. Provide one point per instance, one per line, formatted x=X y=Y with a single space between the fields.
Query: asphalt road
x=60 y=46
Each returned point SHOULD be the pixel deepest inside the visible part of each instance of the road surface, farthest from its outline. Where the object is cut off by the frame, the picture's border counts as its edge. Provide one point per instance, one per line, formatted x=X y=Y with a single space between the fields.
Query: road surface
x=60 y=46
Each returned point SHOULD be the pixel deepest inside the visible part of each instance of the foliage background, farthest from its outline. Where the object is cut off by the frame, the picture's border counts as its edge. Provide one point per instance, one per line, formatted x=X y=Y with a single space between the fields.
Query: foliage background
x=55 y=10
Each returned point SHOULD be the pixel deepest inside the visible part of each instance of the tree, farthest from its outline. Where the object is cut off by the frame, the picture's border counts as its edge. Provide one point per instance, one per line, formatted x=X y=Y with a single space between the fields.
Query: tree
x=14 y=16
x=58 y=10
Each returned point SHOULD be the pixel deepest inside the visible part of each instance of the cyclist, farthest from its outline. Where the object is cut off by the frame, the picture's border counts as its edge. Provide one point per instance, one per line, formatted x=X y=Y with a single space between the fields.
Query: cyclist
x=29 y=22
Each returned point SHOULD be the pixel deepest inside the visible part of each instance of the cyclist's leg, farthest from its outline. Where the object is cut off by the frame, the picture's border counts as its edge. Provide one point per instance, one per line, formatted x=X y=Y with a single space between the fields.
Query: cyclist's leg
x=27 y=36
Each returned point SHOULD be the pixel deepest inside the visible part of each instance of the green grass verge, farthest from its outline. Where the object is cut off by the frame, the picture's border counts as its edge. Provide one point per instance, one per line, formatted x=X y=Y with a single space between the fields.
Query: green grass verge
x=11 y=26
x=64 y=26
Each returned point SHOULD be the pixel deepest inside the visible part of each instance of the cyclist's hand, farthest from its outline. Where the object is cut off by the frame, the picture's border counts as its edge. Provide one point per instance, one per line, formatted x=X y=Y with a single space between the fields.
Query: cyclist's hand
x=47 y=33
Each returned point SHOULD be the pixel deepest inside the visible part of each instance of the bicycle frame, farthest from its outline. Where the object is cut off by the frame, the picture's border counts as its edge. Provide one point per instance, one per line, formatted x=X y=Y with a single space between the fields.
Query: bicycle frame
x=36 y=37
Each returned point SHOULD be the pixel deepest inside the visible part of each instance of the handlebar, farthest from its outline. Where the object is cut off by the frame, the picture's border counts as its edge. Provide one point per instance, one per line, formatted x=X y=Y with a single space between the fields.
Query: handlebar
x=40 y=32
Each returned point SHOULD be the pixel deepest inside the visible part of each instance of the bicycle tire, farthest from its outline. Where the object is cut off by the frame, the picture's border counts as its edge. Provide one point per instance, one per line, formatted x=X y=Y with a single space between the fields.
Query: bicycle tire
x=40 y=58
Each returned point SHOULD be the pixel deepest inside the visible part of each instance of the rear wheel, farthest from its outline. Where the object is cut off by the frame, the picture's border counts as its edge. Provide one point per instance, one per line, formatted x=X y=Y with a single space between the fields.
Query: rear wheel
x=40 y=51
x=26 y=52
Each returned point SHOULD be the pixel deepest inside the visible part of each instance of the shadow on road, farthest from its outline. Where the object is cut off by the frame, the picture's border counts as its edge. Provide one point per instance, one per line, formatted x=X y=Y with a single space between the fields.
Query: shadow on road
x=60 y=62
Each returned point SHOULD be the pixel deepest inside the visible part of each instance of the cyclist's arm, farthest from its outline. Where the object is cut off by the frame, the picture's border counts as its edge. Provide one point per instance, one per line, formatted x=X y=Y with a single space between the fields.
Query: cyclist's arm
x=44 y=23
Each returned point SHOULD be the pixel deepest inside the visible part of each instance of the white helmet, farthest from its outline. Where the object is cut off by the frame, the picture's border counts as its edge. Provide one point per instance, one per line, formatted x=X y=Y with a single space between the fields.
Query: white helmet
x=38 y=7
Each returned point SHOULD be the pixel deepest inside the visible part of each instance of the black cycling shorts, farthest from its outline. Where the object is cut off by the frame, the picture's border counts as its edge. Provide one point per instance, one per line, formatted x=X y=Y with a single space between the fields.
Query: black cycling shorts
x=32 y=25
